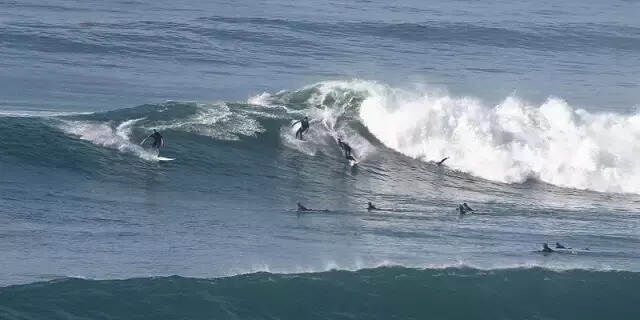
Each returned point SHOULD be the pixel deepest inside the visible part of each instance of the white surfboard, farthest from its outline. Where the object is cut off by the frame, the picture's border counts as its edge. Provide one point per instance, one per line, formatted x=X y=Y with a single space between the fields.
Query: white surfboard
x=353 y=162
x=165 y=159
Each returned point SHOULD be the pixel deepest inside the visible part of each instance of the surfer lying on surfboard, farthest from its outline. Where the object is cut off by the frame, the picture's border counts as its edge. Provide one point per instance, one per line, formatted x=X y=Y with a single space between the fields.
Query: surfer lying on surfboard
x=347 y=150
x=302 y=208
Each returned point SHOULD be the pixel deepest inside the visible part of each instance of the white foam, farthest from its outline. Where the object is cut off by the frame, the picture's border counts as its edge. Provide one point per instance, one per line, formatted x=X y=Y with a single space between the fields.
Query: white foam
x=511 y=142
x=263 y=99
x=357 y=265
x=106 y=135
x=215 y=120
x=36 y=113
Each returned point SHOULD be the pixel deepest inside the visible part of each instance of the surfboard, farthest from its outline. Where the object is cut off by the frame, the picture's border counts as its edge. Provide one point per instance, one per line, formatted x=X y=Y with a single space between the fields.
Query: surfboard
x=353 y=162
x=165 y=159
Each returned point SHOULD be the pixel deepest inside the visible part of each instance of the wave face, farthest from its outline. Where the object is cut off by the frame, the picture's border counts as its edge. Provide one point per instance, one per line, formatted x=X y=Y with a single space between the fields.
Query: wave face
x=512 y=142
x=381 y=293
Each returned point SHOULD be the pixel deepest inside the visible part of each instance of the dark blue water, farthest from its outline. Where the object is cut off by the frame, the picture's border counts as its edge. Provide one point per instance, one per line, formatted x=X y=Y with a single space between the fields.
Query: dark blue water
x=90 y=55
x=534 y=103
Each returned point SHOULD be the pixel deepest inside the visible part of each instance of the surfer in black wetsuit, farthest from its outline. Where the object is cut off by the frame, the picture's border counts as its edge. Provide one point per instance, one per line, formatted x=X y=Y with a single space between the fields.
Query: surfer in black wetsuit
x=304 y=126
x=559 y=246
x=370 y=206
x=464 y=208
x=158 y=141
x=546 y=249
x=347 y=149
x=302 y=208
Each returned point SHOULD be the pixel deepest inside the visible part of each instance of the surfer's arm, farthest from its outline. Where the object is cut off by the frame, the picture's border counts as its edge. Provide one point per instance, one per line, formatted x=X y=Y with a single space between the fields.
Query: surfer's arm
x=293 y=124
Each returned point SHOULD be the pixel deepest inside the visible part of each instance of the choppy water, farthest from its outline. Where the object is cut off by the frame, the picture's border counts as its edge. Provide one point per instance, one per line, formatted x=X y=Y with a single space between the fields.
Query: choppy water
x=534 y=103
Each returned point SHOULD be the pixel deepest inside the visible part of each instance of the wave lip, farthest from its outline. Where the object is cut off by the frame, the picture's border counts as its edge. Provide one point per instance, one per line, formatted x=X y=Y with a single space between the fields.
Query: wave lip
x=511 y=142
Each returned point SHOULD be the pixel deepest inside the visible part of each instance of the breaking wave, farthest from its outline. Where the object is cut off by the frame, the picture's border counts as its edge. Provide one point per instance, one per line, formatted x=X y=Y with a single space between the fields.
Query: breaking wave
x=511 y=142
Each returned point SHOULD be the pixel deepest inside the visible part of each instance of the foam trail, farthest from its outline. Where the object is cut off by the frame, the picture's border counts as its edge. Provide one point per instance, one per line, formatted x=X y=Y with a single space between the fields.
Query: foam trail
x=217 y=121
x=103 y=134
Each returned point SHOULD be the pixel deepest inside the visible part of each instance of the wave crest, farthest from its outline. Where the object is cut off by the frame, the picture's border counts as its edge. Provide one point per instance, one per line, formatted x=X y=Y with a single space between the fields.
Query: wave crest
x=511 y=142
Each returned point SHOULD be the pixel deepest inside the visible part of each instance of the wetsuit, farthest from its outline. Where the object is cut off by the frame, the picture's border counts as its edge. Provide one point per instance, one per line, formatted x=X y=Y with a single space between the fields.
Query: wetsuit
x=304 y=126
x=158 y=142
x=347 y=150
x=302 y=208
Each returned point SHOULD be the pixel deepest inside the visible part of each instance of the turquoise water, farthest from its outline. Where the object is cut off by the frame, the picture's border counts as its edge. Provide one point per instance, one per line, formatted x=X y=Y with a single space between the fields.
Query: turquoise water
x=382 y=293
x=533 y=103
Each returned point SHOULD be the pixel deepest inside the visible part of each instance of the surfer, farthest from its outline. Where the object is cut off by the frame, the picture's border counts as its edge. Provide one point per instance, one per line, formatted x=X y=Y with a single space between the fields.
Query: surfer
x=546 y=249
x=304 y=126
x=464 y=208
x=347 y=149
x=370 y=206
x=439 y=163
x=158 y=140
x=302 y=208
x=559 y=246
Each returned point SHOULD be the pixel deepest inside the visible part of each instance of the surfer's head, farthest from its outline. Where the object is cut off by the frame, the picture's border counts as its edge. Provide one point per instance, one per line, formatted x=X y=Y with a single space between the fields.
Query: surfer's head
x=154 y=131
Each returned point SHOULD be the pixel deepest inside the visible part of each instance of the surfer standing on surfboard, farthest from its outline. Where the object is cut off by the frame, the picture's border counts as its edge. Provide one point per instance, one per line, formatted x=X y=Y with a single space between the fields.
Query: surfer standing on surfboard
x=304 y=126
x=158 y=141
x=347 y=149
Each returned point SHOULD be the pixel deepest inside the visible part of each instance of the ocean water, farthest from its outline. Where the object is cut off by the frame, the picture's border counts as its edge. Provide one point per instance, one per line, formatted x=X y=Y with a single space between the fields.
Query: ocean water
x=534 y=103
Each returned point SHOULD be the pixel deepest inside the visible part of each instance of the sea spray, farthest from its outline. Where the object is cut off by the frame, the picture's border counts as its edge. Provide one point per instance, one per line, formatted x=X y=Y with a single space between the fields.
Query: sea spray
x=511 y=142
